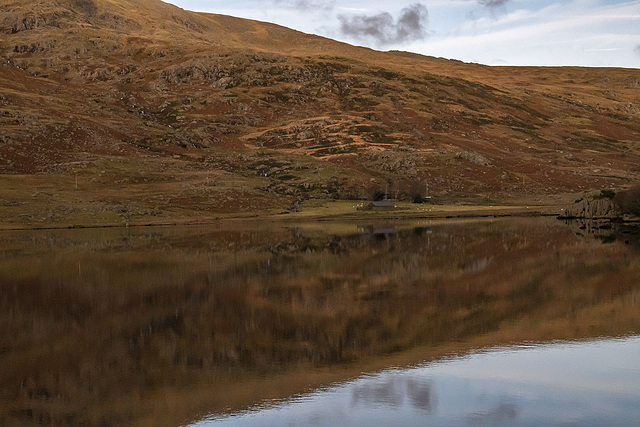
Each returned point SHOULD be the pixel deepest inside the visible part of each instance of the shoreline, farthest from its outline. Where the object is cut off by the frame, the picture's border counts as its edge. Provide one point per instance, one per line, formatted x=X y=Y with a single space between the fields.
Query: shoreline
x=325 y=212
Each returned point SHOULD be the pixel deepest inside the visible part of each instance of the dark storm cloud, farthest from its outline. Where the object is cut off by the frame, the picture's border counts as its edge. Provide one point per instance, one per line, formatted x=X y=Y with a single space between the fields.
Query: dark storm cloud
x=308 y=5
x=383 y=30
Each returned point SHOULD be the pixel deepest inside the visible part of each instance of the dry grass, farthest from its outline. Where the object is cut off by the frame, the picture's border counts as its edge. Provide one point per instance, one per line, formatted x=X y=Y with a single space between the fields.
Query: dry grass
x=165 y=101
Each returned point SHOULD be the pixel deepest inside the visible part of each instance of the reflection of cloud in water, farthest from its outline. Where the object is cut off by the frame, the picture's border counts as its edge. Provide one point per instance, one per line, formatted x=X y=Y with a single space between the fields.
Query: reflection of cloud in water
x=576 y=383
x=393 y=391
x=420 y=394
x=499 y=414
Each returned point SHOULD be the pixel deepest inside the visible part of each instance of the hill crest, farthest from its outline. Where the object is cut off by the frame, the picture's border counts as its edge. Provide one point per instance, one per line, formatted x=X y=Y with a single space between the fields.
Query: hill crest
x=284 y=116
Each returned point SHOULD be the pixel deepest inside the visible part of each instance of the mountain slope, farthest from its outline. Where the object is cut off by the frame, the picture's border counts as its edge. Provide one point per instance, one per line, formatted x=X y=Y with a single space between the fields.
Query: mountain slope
x=143 y=102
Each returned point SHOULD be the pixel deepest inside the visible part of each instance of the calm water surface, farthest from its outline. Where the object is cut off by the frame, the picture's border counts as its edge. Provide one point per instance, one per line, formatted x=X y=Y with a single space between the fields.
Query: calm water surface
x=401 y=323
x=577 y=383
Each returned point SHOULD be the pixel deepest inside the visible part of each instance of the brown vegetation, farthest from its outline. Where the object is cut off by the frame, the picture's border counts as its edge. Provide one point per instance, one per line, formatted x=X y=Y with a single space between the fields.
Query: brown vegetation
x=187 y=99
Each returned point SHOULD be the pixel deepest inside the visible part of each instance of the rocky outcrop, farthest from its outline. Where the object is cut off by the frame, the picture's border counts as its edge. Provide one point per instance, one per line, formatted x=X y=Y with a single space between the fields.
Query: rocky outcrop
x=14 y=20
x=599 y=206
x=474 y=157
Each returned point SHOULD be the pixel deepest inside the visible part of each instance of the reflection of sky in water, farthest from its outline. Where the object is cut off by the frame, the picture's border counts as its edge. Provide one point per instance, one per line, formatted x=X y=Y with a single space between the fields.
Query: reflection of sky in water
x=592 y=383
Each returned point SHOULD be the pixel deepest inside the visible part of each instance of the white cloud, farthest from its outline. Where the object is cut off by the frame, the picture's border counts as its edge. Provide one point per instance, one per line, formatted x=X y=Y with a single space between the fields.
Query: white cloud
x=555 y=35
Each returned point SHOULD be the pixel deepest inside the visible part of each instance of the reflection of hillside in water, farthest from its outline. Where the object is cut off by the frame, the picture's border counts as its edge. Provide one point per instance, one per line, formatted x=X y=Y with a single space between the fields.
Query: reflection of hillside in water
x=124 y=321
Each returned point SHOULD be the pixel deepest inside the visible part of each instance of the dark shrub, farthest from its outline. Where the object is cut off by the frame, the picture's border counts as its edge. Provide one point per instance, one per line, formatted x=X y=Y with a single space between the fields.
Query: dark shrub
x=378 y=195
x=629 y=200
x=415 y=191
x=606 y=194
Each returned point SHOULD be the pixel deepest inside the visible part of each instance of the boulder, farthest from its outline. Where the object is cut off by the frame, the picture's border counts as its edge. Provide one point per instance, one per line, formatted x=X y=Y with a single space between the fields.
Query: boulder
x=593 y=207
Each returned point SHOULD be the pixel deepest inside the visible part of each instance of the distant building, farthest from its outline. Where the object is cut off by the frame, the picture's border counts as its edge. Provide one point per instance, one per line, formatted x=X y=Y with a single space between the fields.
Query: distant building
x=380 y=204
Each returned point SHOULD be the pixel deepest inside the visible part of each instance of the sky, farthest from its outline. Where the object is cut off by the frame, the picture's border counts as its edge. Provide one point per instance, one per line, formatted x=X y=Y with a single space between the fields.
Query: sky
x=595 y=33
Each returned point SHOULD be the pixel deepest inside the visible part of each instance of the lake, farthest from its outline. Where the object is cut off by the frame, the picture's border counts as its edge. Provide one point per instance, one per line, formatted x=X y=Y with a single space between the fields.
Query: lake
x=495 y=321
x=568 y=383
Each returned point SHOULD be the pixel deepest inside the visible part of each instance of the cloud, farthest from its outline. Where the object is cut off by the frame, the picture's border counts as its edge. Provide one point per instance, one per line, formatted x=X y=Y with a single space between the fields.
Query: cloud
x=382 y=30
x=553 y=35
x=308 y=5
x=501 y=413
x=637 y=49
x=493 y=3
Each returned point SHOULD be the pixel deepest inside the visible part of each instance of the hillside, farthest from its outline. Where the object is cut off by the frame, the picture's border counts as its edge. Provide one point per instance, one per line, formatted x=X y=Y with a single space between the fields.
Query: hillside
x=139 y=111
